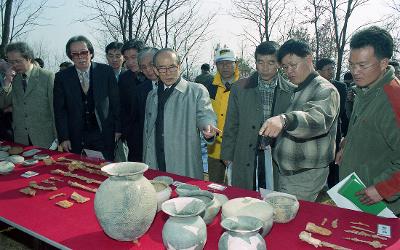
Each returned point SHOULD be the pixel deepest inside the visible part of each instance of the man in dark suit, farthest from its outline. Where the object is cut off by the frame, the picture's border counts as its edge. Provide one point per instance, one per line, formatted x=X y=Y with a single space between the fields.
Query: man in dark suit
x=127 y=83
x=86 y=102
x=326 y=68
x=136 y=119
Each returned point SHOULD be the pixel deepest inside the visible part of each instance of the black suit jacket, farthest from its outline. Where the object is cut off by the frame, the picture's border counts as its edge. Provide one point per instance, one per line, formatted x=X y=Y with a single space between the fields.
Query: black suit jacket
x=135 y=142
x=343 y=119
x=127 y=83
x=68 y=106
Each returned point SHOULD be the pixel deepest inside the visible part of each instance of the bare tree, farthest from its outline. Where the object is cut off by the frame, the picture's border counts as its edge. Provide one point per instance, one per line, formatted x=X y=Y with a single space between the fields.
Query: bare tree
x=266 y=15
x=18 y=17
x=341 y=11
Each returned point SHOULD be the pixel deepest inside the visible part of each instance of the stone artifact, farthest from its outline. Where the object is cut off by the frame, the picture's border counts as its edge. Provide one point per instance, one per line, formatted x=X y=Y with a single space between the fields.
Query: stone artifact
x=79 y=198
x=28 y=191
x=56 y=195
x=242 y=233
x=307 y=237
x=65 y=204
x=184 y=229
x=285 y=206
x=78 y=185
x=374 y=243
x=248 y=206
x=312 y=228
x=125 y=203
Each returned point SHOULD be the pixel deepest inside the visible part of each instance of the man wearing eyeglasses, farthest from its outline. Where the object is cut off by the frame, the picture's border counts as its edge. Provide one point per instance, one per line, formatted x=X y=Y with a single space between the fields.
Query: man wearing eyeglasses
x=305 y=133
x=372 y=145
x=219 y=89
x=86 y=103
x=30 y=94
x=114 y=57
x=136 y=119
x=175 y=113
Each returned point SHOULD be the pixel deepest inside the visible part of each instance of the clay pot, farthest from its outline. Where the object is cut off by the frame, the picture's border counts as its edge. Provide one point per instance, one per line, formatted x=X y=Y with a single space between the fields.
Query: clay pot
x=212 y=204
x=125 y=204
x=285 y=206
x=253 y=207
x=163 y=192
x=184 y=229
x=241 y=233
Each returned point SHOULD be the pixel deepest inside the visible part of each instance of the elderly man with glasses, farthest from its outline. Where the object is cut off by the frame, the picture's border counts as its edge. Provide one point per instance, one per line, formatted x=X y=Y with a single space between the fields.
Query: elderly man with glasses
x=30 y=94
x=175 y=113
x=371 y=148
x=86 y=103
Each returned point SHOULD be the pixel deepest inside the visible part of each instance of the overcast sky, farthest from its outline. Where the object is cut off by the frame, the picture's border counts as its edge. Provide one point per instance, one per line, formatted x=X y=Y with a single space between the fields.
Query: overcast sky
x=225 y=30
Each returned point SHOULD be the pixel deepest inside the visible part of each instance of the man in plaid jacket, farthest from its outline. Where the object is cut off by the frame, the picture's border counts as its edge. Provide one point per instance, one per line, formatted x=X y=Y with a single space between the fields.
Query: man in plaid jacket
x=306 y=132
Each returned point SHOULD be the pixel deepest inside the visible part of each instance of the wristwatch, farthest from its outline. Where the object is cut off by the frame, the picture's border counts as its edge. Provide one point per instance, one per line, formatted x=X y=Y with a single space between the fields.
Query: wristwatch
x=284 y=121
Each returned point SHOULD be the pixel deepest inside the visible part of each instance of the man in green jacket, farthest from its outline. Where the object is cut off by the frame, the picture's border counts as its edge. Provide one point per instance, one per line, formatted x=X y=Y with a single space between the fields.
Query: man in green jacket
x=372 y=145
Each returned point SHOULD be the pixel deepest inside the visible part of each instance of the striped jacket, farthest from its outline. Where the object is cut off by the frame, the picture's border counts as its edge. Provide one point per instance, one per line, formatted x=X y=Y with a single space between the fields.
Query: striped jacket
x=309 y=140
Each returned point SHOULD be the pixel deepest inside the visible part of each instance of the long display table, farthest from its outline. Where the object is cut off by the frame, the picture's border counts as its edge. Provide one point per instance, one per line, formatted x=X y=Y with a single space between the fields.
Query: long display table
x=77 y=227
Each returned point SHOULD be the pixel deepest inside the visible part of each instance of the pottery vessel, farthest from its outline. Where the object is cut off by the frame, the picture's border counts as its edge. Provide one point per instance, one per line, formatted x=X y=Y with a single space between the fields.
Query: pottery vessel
x=241 y=233
x=184 y=229
x=212 y=204
x=253 y=207
x=125 y=204
x=184 y=189
x=163 y=192
x=285 y=206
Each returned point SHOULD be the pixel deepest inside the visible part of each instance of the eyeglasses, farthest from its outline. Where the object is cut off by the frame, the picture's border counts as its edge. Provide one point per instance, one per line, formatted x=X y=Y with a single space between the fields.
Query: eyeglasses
x=79 y=54
x=18 y=61
x=290 y=66
x=170 y=69
x=361 y=66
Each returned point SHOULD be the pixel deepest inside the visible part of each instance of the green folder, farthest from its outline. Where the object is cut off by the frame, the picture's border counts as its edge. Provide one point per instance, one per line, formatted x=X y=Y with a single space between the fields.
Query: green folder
x=349 y=190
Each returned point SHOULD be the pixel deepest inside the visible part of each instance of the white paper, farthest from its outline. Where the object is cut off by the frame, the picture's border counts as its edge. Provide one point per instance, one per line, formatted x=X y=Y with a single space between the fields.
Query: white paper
x=93 y=154
x=343 y=202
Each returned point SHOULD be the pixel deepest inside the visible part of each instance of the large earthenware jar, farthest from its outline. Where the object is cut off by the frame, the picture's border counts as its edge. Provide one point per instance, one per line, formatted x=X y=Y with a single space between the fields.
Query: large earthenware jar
x=184 y=229
x=241 y=233
x=125 y=203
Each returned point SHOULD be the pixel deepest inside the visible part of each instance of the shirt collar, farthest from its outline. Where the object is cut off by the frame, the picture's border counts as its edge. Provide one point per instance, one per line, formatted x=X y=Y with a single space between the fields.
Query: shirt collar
x=29 y=71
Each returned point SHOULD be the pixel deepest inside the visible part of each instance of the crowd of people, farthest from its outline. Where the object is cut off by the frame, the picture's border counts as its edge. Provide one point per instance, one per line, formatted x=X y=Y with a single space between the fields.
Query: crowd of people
x=289 y=127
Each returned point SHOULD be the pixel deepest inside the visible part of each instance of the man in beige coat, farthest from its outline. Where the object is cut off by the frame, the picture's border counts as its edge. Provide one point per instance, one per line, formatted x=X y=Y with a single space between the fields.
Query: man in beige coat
x=31 y=96
x=175 y=113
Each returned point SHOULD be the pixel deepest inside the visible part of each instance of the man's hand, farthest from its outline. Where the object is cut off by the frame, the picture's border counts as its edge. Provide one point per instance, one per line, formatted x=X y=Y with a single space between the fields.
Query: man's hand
x=339 y=154
x=369 y=195
x=66 y=145
x=210 y=131
x=117 y=136
x=9 y=76
x=227 y=162
x=271 y=127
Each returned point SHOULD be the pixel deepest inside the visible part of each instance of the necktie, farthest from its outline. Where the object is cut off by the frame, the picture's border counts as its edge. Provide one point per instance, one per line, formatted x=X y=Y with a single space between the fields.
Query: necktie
x=84 y=81
x=24 y=82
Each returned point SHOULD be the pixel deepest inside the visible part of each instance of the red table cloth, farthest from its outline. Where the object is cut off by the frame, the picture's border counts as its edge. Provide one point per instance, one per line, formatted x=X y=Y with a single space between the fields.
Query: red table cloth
x=77 y=226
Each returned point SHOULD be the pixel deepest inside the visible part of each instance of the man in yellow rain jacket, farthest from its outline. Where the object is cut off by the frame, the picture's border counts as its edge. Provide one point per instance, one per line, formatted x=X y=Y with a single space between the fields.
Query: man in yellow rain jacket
x=219 y=89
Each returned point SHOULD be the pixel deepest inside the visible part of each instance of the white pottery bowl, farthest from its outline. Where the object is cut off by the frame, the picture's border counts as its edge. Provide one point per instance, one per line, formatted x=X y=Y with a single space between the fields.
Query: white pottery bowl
x=6 y=167
x=285 y=206
x=248 y=206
